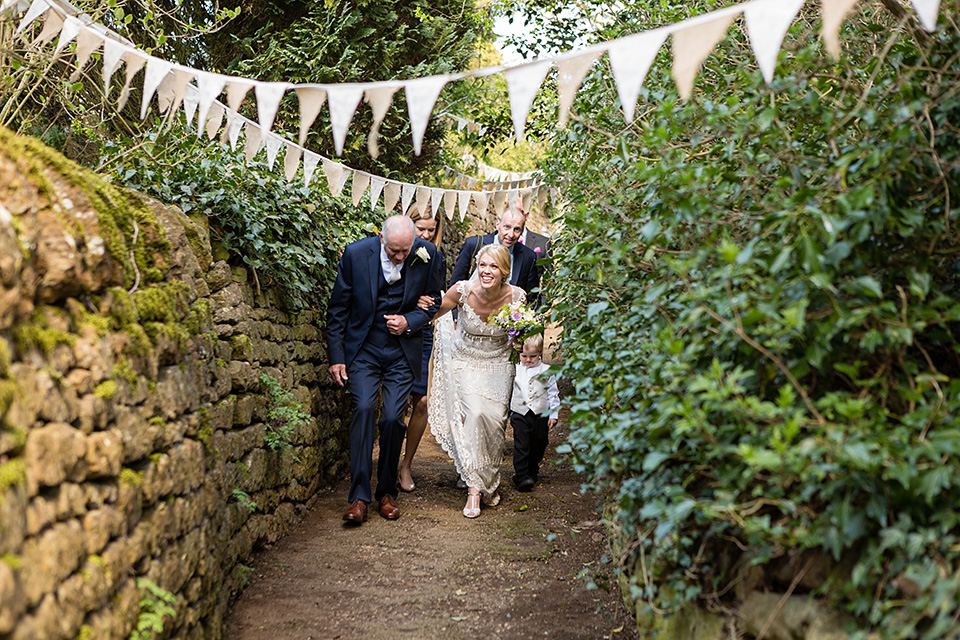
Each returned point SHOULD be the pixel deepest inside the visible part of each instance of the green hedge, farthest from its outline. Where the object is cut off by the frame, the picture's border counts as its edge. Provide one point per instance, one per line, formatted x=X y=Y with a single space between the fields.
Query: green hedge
x=760 y=294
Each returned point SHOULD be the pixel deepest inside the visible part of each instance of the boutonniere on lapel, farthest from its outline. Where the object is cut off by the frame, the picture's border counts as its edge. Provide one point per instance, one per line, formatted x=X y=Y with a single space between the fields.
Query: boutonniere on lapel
x=421 y=254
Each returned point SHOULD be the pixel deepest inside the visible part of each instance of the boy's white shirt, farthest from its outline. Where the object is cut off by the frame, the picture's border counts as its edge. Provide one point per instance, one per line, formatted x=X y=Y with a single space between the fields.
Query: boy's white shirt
x=534 y=394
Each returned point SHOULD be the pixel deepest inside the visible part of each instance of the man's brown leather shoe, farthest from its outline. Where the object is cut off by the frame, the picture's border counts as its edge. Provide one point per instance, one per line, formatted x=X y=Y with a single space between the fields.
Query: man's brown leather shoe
x=389 y=508
x=357 y=512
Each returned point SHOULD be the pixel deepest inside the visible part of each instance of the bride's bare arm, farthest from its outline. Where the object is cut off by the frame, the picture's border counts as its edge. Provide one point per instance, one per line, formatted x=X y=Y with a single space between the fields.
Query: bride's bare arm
x=450 y=299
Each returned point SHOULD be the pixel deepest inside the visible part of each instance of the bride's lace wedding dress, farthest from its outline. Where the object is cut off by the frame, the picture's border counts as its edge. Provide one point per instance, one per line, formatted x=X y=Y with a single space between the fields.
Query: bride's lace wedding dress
x=469 y=396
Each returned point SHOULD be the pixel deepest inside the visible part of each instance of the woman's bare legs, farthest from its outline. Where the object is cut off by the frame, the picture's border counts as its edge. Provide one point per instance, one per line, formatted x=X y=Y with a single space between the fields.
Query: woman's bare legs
x=415 y=429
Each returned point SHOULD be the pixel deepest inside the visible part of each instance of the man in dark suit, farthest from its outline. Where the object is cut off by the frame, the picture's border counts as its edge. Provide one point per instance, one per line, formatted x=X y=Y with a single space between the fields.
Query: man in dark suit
x=523 y=260
x=375 y=345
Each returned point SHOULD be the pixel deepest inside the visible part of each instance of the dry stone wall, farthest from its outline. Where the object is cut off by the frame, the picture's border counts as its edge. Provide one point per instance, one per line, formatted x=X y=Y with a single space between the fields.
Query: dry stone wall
x=132 y=411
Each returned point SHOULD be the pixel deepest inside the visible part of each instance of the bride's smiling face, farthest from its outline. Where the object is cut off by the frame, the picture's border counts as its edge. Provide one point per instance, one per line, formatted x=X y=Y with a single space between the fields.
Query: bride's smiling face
x=489 y=272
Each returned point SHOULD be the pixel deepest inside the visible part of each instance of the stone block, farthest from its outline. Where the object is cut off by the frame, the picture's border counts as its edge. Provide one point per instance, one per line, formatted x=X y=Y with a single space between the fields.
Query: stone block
x=795 y=617
x=244 y=409
x=49 y=558
x=13 y=518
x=53 y=453
x=104 y=454
x=100 y=525
x=93 y=413
x=12 y=601
x=222 y=413
x=243 y=376
x=139 y=435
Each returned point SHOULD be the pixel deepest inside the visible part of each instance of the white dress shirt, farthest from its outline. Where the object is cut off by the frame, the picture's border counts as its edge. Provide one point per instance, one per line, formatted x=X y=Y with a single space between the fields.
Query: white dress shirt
x=391 y=272
x=531 y=393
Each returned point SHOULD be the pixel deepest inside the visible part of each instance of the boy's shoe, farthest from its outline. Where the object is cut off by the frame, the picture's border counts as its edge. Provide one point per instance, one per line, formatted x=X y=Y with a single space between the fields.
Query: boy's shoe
x=525 y=484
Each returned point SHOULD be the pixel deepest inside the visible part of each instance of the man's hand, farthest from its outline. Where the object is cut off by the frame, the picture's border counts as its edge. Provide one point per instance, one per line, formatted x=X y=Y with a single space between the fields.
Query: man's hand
x=396 y=323
x=551 y=423
x=424 y=302
x=339 y=374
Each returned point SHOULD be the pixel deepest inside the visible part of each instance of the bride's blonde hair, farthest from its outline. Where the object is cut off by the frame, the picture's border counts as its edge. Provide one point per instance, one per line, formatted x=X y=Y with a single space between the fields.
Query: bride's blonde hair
x=500 y=255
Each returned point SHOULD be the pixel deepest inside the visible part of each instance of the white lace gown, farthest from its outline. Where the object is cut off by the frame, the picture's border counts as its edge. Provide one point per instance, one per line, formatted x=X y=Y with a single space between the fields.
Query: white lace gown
x=469 y=395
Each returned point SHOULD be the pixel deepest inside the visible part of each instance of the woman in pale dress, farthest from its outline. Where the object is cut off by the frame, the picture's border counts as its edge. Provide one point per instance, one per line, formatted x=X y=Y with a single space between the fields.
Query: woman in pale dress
x=469 y=394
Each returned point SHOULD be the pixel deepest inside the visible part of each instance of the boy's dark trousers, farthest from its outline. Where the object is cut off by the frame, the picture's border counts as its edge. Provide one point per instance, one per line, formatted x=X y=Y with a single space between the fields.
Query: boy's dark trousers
x=529 y=444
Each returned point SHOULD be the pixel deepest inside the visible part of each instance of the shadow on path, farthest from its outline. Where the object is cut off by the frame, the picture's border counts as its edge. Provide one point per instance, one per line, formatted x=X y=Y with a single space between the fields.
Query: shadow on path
x=510 y=574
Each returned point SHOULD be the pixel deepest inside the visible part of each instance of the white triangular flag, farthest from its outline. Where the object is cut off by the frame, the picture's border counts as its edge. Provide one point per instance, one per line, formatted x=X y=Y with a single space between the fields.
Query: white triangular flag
x=214 y=120
x=570 y=74
x=210 y=85
x=359 y=186
x=512 y=197
x=233 y=132
x=134 y=61
x=88 y=41
x=480 y=198
x=237 y=90
x=542 y=194
x=342 y=100
x=928 y=10
x=376 y=188
x=190 y=102
x=423 y=200
x=379 y=97
x=630 y=60
x=272 y=143
x=181 y=78
x=37 y=9
x=252 y=142
x=291 y=162
x=523 y=82
x=52 y=24
x=310 y=162
x=71 y=27
x=422 y=94
x=165 y=93
x=335 y=176
x=391 y=193
x=436 y=198
x=767 y=24
x=691 y=46
x=112 y=52
x=499 y=202
x=463 y=203
x=156 y=71
x=834 y=11
x=311 y=99
x=269 y=95
x=449 y=203
x=407 y=191
x=526 y=199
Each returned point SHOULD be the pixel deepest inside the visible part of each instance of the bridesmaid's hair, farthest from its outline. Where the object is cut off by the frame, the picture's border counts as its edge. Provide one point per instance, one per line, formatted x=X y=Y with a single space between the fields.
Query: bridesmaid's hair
x=500 y=255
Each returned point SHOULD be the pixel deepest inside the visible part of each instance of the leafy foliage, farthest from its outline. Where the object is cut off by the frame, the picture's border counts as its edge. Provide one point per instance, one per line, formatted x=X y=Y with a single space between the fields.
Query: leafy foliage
x=155 y=605
x=285 y=415
x=759 y=294
x=284 y=232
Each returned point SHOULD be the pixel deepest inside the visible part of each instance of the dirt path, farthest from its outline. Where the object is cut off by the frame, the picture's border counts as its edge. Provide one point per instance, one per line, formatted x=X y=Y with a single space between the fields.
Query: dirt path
x=510 y=574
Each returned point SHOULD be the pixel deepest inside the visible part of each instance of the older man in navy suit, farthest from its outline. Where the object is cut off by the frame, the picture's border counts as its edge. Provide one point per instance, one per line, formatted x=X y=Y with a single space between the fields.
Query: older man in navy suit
x=375 y=345
x=523 y=260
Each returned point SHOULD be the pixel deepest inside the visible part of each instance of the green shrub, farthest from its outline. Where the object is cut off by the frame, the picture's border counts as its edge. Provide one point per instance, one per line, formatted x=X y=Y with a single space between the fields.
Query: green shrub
x=759 y=294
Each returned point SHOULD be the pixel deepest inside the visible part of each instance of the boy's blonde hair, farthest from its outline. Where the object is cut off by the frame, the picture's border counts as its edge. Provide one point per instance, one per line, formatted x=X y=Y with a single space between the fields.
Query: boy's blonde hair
x=534 y=342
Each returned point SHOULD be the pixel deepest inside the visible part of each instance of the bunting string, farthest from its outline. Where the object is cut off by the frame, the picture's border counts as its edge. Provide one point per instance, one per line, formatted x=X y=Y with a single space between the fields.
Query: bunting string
x=197 y=92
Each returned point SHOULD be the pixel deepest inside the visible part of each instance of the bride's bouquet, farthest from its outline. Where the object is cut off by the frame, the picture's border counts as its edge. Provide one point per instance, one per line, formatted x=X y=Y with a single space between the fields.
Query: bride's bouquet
x=518 y=320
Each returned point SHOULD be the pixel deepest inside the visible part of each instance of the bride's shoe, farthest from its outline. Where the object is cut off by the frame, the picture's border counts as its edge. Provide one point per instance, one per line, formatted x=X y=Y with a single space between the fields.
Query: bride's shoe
x=472 y=508
x=493 y=500
x=406 y=486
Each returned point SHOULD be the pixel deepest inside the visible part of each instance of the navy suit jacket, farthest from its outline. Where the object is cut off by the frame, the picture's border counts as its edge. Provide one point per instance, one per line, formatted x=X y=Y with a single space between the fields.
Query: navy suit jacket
x=353 y=303
x=525 y=273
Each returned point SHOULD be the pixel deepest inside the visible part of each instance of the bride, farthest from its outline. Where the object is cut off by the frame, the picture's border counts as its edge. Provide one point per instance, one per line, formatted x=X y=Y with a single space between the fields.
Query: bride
x=472 y=377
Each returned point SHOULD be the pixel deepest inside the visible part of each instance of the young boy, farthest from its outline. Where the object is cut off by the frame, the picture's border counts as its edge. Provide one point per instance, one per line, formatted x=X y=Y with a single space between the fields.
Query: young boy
x=532 y=397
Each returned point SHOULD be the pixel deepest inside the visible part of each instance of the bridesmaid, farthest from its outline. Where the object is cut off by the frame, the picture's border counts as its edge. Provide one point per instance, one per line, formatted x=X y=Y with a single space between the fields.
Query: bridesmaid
x=431 y=230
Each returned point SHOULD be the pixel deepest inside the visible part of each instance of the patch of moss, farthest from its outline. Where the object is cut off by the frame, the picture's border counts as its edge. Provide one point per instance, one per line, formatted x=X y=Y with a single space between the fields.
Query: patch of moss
x=162 y=303
x=157 y=421
x=8 y=390
x=12 y=473
x=31 y=335
x=205 y=432
x=122 y=309
x=106 y=389
x=139 y=344
x=170 y=330
x=12 y=560
x=5 y=357
x=131 y=478
x=122 y=215
x=123 y=371
x=19 y=435
x=85 y=633
x=81 y=317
